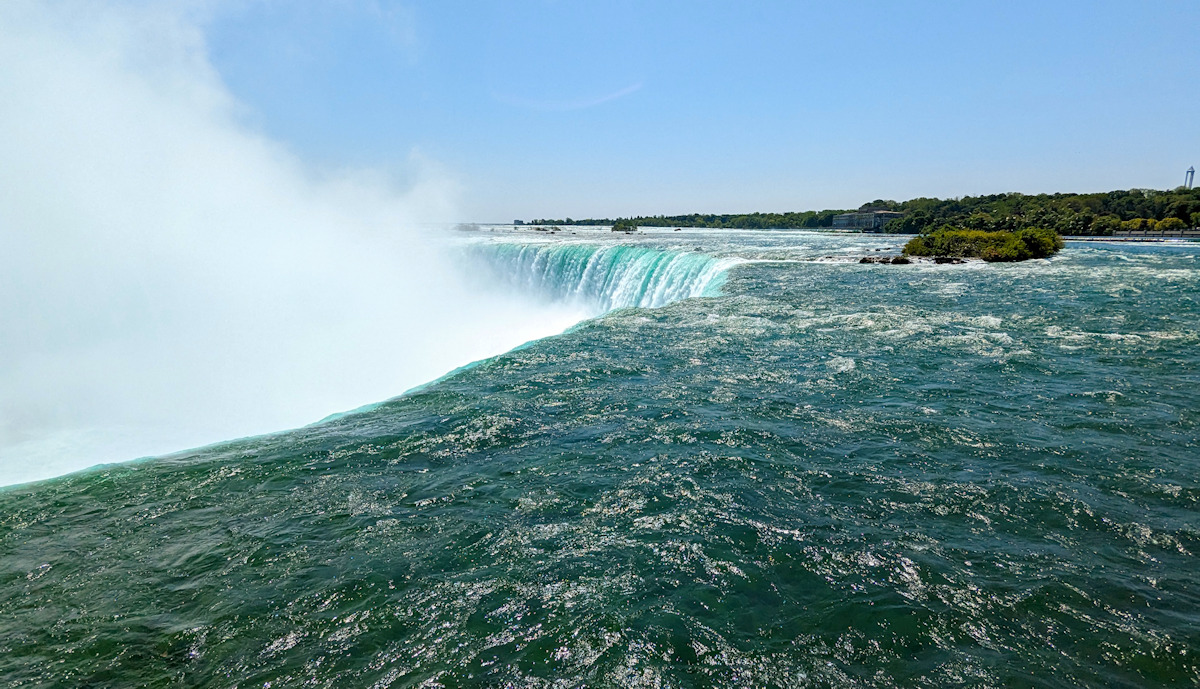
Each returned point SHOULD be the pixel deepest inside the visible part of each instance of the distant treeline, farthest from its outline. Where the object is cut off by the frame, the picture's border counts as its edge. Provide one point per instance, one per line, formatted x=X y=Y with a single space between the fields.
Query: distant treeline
x=1067 y=214
x=745 y=221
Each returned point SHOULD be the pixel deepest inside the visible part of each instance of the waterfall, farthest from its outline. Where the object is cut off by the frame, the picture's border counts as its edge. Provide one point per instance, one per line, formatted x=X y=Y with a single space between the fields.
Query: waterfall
x=602 y=277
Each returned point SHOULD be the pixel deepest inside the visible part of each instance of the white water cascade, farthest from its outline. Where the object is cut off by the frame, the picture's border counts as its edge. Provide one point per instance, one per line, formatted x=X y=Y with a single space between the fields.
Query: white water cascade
x=601 y=277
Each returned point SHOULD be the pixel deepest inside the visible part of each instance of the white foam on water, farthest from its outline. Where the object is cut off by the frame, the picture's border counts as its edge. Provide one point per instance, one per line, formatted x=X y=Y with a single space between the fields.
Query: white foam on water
x=841 y=364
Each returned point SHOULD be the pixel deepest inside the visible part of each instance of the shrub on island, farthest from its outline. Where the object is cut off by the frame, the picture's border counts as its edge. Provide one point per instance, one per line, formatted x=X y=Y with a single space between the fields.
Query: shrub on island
x=623 y=225
x=999 y=246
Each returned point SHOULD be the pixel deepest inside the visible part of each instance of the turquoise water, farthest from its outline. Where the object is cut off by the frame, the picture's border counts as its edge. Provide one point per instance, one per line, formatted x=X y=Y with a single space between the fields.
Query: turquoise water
x=797 y=471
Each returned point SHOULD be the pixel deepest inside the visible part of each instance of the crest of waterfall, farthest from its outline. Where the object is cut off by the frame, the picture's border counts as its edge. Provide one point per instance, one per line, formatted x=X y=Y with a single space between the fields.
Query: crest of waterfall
x=602 y=277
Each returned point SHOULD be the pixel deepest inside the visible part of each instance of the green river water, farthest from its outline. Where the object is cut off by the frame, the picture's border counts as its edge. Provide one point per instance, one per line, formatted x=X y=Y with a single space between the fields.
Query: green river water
x=763 y=467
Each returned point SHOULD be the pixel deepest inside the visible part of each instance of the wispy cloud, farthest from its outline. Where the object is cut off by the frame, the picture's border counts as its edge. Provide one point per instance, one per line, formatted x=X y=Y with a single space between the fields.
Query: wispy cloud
x=565 y=105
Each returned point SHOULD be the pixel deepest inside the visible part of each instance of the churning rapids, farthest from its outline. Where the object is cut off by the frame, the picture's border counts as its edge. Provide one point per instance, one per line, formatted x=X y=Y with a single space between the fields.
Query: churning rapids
x=751 y=465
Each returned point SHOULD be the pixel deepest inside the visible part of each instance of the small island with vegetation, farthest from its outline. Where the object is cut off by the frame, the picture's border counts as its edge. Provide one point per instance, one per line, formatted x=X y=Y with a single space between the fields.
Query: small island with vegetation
x=624 y=225
x=992 y=246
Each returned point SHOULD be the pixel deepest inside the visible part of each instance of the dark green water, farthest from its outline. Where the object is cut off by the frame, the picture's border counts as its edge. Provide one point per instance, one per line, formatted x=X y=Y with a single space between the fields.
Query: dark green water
x=829 y=475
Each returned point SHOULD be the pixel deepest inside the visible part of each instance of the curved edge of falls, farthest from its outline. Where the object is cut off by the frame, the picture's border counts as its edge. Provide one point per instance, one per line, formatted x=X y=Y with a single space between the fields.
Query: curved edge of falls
x=601 y=277
x=592 y=278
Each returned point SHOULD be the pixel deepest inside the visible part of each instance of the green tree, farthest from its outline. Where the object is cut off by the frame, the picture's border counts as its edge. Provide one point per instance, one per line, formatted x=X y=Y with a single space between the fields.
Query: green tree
x=1170 y=225
x=1137 y=225
x=1105 y=225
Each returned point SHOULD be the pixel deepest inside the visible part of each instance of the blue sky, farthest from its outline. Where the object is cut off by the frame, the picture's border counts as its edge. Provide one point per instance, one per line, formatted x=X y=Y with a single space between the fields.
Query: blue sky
x=565 y=108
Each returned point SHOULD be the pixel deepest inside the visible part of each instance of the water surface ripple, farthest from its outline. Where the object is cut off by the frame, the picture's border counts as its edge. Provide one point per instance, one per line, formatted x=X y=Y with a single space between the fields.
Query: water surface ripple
x=830 y=474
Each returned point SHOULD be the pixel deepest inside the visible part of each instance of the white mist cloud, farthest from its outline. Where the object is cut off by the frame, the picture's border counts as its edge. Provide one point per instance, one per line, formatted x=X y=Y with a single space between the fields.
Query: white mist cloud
x=169 y=278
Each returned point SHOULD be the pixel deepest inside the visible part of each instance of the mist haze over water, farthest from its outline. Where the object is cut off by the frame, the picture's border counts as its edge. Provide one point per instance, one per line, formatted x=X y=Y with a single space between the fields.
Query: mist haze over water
x=170 y=278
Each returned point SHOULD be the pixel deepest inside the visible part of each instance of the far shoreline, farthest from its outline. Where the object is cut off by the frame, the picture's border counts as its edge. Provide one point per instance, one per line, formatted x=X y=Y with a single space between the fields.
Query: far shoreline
x=815 y=230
